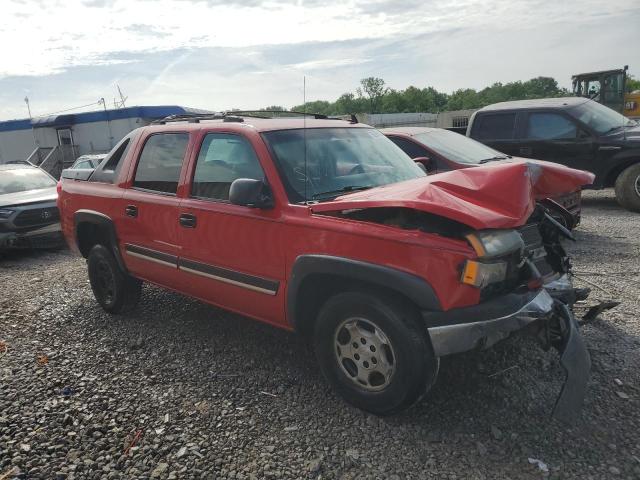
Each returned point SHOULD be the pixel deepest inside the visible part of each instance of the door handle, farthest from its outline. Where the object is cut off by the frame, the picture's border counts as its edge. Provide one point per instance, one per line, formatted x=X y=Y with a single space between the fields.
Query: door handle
x=188 y=220
x=131 y=211
x=525 y=151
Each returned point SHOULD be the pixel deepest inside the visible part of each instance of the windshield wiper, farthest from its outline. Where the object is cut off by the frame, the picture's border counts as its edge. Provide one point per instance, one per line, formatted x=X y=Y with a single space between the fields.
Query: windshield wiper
x=493 y=159
x=347 y=189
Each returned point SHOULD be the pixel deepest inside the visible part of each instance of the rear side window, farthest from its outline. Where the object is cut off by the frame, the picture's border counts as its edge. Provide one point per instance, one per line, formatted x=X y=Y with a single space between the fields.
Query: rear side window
x=549 y=126
x=223 y=158
x=496 y=126
x=160 y=162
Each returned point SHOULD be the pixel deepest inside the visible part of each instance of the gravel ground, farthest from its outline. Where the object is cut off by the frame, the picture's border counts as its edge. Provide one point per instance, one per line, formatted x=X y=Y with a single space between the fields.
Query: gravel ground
x=182 y=390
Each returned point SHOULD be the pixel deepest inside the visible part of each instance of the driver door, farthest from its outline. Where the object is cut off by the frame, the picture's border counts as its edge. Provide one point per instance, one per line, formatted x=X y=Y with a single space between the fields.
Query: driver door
x=233 y=254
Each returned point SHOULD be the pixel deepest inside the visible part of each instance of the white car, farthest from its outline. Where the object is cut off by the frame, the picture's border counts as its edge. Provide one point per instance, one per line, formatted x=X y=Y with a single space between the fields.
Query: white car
x=88 y=161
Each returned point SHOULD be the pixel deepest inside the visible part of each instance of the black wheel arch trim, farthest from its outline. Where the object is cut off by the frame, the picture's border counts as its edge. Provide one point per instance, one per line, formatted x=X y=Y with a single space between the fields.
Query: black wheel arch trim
x=105 y=223
x=616 y=165
x=415 y=288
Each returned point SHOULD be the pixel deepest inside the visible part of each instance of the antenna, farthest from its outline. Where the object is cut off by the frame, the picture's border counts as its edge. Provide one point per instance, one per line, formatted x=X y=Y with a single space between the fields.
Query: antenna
x=304 y=133
x=123 y=99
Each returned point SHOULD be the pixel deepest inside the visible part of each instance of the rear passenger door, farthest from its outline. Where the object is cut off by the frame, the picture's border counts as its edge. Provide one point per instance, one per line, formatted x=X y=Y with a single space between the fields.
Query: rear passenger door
x=232 y=254
x=148 y=223
x=497 y=130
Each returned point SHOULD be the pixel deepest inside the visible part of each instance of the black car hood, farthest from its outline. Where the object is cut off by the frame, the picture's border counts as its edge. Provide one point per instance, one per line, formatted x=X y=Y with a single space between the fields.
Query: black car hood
x=30 y=196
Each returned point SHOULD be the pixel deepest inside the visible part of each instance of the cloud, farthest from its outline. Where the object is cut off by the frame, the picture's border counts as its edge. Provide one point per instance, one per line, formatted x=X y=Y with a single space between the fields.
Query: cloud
x=219 y=54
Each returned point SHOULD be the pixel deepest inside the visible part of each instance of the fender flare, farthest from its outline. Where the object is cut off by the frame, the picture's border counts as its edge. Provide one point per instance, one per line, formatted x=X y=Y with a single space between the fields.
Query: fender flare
x=621 y=162
x=415 y=288
x=105 y=223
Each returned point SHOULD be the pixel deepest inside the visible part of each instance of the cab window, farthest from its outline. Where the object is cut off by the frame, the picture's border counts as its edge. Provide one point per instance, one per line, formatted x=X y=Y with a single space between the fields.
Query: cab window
x=496 y=126
x=223 y=158
x=550 y=126
x=160 y=162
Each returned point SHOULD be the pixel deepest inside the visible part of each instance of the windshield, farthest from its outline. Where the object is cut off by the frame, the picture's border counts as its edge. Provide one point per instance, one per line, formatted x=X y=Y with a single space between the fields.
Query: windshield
x=458 y=148
x=338 y=160
x=23 y=179
x=600 y=118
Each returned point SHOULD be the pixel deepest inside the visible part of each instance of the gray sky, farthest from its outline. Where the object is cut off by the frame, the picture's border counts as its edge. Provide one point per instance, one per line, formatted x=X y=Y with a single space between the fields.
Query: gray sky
x=221 y=54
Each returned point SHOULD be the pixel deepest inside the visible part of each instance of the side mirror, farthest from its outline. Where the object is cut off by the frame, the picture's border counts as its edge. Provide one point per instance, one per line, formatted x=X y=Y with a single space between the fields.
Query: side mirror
x=424 y=163
x=250 y=192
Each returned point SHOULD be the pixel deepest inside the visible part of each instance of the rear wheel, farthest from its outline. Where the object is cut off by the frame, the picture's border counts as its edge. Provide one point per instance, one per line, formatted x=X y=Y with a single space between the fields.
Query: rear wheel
x=115 y=290
x=628 y=188
x=373 y=351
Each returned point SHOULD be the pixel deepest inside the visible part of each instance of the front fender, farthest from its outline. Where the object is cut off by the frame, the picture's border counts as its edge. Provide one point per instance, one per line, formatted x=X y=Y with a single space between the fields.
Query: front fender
x=415 y=288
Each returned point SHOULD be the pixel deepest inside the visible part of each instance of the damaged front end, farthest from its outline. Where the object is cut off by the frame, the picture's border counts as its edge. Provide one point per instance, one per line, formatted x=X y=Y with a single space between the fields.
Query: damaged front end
x=549 y=319
x=521 y=270
x=524 y=278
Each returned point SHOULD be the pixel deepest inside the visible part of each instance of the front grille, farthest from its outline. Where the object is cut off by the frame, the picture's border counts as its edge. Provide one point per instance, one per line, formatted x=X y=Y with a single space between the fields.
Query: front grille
x=534 y=248
x=570 y=201
x=37 y=216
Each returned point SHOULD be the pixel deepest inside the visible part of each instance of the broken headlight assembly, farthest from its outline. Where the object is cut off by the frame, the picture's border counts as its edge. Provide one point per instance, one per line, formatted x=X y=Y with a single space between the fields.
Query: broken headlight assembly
x=492 y=248
x=495 y=243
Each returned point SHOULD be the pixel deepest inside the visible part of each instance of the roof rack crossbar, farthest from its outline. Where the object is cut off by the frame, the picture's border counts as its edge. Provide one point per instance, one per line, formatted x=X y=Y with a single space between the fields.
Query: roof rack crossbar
x=236 y=115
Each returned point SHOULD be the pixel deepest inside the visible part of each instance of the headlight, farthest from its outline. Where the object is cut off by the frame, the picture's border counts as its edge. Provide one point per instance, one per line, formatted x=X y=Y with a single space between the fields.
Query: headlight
x=6 y=213
x=480 y=274
x=495 y=243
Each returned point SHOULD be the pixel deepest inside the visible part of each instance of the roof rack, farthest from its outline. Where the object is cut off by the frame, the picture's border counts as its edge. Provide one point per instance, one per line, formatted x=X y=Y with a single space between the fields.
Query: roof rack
x=238 y=116
x=190 y=118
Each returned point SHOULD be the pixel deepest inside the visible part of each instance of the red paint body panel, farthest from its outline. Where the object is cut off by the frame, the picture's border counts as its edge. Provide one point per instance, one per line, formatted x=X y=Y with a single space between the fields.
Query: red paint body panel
x=491 y=196
x=266 y=243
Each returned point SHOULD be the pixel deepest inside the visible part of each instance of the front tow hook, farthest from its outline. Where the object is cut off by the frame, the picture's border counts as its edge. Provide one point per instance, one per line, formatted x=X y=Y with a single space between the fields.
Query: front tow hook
x=576 y=362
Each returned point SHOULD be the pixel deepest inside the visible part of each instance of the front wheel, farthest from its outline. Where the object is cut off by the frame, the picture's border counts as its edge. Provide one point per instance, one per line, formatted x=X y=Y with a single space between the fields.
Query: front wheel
x=115 y=290
x=628 y=188
x=373 y=351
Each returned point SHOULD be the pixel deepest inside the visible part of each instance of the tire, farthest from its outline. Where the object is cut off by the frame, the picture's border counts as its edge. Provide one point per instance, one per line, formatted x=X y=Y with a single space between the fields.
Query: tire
x=628 y=188
x=115 y=290
x=399 y=369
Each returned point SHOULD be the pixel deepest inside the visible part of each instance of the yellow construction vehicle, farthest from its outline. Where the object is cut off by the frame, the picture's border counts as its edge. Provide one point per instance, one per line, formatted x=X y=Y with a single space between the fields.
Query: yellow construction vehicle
x=608 y=87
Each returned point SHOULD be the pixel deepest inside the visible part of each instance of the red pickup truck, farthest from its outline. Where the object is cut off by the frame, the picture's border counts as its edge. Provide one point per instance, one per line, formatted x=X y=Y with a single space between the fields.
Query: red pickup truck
x=327 y=228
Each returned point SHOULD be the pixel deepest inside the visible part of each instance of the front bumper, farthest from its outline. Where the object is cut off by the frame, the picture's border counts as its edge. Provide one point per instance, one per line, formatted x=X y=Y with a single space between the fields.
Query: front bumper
x=551 y=321
x=469 y=335
x=49 y=236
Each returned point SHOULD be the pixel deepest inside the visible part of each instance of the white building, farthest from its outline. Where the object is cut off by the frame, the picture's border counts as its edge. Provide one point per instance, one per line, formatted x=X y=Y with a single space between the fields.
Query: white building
x=56 y=141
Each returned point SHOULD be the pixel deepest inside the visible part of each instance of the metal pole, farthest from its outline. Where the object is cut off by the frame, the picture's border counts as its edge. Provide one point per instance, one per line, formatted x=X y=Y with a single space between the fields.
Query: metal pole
x=33 y=132
x=104 y=104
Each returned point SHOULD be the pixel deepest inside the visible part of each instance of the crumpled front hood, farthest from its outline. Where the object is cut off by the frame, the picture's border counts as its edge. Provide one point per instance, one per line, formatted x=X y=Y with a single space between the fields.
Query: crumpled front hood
x=29 y=196
x=501 y=195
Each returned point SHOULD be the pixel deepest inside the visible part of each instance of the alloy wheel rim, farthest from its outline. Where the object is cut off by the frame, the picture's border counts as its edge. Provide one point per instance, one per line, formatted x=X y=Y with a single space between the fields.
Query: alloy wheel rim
x=364 y=353
x=637 y=185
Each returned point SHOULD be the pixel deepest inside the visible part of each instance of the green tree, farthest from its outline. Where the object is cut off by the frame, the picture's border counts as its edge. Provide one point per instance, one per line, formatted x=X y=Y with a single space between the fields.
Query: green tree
x=318 y=106
x=273 y=108
x=632 y=84
x=372 y=96
x=375 y=89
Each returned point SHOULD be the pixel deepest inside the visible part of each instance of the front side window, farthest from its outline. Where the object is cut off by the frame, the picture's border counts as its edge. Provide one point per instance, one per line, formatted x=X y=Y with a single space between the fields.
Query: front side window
x=160 y=162
x=323 y=163
x=550 y=126
x=223 y=158
x=496 y=126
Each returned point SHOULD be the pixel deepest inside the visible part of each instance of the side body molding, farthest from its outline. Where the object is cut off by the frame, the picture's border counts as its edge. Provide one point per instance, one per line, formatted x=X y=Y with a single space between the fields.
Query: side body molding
x=407 y=284
x=105 y=226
